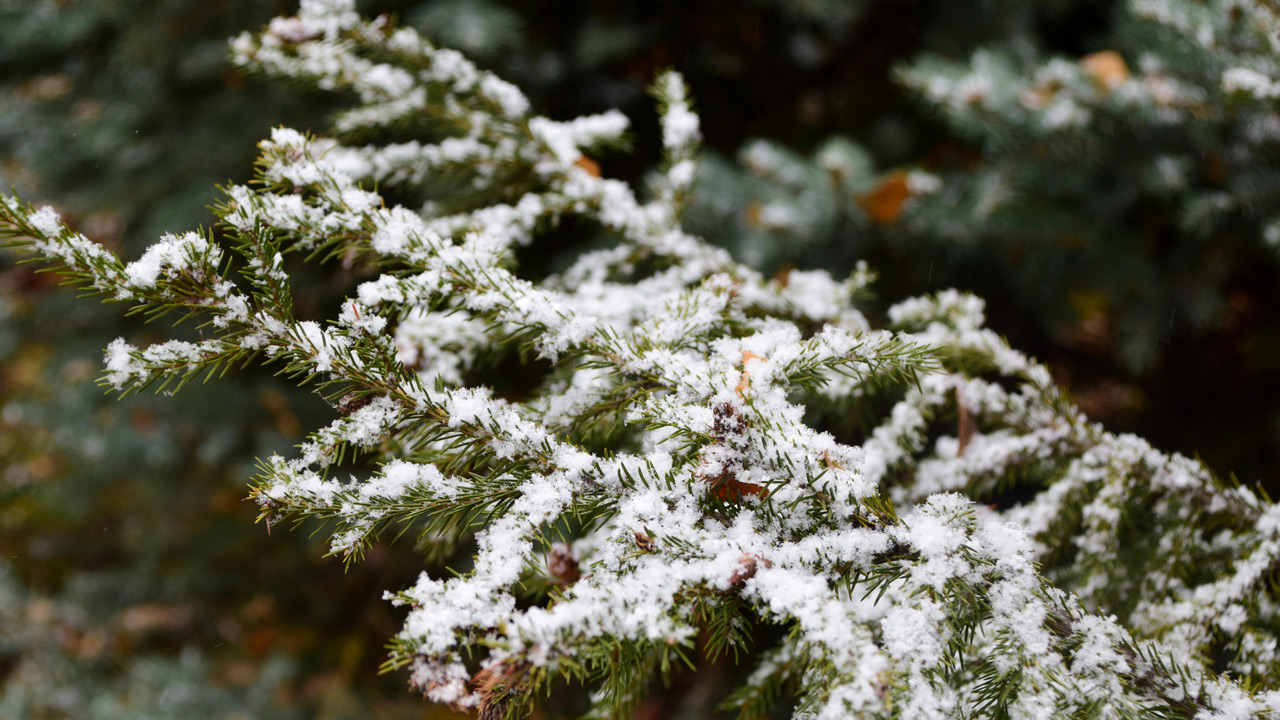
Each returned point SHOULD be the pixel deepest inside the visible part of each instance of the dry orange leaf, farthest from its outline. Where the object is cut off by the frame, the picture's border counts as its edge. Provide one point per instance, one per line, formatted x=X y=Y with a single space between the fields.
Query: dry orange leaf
x=591 y=166
x=783 y=276
x=1107 y=67
x=154 y=616
x=884 y=203
x=747 y=568
x=732 y=490
x=746 y=379
x=1036 y=98
x=965 y=426
x=45 y=87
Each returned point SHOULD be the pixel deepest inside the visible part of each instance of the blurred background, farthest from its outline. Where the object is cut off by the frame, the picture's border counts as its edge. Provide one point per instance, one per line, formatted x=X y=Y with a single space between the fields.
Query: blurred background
x=1078 y=163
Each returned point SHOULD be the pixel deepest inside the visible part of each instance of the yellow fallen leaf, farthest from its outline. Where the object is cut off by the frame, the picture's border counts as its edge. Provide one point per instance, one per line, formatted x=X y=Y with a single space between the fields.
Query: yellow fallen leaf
x=1107 y=67
x=884 y=203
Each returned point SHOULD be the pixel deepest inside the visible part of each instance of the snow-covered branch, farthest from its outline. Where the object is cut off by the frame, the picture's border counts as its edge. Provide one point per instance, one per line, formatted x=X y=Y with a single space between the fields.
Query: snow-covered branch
x=940 y=531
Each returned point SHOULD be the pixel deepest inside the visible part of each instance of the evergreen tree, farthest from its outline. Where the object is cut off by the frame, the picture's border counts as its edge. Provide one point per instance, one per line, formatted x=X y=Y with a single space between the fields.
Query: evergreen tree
x=125 y=561
x=1103 y=172
x=688 y=459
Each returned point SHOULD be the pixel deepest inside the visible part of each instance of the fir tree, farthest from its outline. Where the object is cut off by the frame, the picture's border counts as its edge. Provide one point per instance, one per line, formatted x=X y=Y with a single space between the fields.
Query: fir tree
x=693 y=452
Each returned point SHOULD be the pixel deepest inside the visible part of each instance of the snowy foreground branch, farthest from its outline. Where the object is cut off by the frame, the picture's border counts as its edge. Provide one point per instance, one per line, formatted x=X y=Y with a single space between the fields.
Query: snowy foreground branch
x=975 y=549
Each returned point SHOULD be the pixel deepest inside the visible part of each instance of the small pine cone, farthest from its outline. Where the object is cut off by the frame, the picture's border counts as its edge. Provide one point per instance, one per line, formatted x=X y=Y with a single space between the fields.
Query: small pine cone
x=727 y=421
x=644 y=542
x=563 y=564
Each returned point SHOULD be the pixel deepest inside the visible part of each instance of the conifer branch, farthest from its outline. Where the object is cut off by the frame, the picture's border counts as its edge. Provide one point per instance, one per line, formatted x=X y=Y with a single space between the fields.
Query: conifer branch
x=663 y=481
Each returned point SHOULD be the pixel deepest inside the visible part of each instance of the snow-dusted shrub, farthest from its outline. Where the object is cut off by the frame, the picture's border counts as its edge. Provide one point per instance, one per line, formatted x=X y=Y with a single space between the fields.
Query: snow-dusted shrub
x=976 y=548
